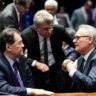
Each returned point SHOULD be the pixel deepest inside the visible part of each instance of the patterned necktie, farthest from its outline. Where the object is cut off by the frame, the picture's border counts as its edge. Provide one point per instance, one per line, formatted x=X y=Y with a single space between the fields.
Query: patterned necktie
x=17 y=74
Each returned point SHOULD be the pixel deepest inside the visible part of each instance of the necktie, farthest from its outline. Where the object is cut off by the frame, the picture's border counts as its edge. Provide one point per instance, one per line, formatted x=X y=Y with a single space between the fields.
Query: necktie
x=45 y=52
x=82 y=64
x=17 y=75
x=20 y=26
x=46 y=74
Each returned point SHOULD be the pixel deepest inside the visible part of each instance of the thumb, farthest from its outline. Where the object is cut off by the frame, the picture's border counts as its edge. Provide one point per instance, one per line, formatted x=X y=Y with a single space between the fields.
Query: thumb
x=75 y=63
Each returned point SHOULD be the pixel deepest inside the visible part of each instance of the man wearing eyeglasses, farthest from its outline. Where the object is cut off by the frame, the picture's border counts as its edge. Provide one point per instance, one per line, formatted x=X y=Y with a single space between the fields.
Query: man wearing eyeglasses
x=47 y=69
x=83 y=71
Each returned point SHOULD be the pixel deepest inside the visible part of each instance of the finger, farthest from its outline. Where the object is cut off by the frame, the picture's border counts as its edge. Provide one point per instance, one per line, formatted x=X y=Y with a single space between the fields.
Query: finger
x=70 y=58
x=75 y=63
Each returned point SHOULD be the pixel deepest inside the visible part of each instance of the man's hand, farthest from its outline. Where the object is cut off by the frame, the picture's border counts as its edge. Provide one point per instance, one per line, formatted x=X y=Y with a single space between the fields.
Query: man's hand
x=41 y=66
x=40 y=92
x=65 y=62
x=69 y=65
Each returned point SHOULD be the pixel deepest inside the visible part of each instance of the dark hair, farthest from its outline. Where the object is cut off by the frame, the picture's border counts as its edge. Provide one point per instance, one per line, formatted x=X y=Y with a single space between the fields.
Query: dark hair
x=22 y=2
x=7 y=36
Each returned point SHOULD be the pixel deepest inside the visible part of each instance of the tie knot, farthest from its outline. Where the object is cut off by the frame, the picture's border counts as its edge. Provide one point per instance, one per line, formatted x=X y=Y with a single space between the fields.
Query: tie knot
x=15 y=64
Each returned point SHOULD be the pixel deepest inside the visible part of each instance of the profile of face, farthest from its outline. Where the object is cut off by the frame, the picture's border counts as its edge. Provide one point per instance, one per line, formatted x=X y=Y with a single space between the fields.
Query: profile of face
x=16 y=49
x=45 y=29
x=88 y=6
x=23 y=9
x=82 y=41
x=51 y=9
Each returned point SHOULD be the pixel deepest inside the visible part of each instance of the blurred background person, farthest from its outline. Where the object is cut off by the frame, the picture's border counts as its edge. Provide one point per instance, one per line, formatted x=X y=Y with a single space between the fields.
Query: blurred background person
x=94 y=14
x=62 y=14
x=11 y=16
x=82 y=15
x=2 y=3
x=52 y=6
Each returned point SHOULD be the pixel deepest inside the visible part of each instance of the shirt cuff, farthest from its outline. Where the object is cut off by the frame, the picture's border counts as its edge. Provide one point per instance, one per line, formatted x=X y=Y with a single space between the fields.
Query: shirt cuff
x=71 y=73
x=29 y=91
x=34 y=63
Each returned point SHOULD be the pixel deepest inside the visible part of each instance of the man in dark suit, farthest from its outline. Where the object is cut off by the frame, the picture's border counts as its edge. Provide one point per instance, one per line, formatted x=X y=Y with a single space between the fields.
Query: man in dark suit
x=11 y=15
x=82 y=15
x=15 y=76
x=84 y=74
x=48 y=75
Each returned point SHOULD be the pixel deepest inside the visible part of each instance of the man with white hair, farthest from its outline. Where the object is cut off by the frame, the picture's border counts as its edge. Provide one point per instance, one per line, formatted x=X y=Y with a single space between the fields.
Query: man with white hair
x=47 y=69
x=52 y=6
x=84 y=76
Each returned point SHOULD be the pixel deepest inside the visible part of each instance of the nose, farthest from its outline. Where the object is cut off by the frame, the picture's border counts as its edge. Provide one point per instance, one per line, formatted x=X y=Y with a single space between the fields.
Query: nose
x=23 y=45
x=74 y=40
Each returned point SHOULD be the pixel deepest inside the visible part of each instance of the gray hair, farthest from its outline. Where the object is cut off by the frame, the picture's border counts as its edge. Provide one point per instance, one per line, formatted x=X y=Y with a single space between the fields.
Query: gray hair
x=42 y=16
x=51 y=3
x=89 y=30
x=71 y=32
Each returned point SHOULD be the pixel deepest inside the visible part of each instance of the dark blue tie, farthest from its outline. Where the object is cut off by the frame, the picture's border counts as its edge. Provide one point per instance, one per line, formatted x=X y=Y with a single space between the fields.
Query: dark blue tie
x=17 y=75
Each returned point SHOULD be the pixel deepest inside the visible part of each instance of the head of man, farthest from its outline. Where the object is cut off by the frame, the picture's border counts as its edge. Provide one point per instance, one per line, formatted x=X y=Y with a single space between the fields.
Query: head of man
x=51 y=6
x=85 y=39
x=43 y=22
x=23 y=5
x=11 y=43
x=88 y=5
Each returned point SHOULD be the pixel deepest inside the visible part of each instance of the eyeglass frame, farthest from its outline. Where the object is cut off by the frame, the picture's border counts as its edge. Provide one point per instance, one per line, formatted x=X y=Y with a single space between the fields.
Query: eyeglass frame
x=78 y=37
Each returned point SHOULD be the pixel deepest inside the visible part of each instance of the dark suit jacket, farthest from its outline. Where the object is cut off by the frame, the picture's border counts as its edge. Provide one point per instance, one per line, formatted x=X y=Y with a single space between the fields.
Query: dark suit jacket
x=8 y=17
x=30 y=39
x=62 y=20
x=87 y=79
x=69 y=51
x=8 y=80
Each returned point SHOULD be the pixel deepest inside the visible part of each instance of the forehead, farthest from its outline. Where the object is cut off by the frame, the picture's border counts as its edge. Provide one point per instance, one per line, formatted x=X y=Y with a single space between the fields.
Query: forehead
x=17 y=37
x=44 y=24
x=50 y=7
x=81 y=32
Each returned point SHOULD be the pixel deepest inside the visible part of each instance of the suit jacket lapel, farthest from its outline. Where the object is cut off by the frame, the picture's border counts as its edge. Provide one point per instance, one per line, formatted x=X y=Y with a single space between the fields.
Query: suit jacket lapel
x=9 y=70
x=88 y=62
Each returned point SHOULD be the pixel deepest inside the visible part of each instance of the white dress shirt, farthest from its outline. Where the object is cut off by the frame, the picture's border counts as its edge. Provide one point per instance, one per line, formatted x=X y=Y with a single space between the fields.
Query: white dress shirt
x=51 y=59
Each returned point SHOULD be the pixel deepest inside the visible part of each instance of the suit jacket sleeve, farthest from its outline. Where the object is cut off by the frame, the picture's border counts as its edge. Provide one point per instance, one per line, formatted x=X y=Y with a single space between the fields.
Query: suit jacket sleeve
x=67 y=38
x=88 y=82
x=9 y=22
x=73 y=18
x=5 y=87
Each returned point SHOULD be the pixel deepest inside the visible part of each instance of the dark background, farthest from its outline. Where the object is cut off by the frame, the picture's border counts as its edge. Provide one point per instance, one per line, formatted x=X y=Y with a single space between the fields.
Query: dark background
x=69 y=5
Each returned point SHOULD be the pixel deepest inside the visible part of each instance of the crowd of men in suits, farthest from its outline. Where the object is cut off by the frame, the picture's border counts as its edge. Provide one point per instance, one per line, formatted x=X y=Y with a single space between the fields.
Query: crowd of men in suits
x=46 y=69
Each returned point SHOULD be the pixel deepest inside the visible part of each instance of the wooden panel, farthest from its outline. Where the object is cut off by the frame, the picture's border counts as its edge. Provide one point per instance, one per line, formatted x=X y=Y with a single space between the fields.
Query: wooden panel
x=75 y=94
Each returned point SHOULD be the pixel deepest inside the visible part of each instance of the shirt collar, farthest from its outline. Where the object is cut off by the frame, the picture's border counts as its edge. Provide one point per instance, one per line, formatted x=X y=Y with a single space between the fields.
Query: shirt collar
x=87 y=55
x=10 y=60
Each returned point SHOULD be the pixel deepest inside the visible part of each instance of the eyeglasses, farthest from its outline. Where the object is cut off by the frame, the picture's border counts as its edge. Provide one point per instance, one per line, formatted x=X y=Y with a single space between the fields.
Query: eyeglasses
x=78 y=37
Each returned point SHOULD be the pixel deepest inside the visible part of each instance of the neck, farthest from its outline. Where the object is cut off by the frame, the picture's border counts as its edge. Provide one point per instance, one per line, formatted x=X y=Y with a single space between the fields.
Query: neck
x=9 y=55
